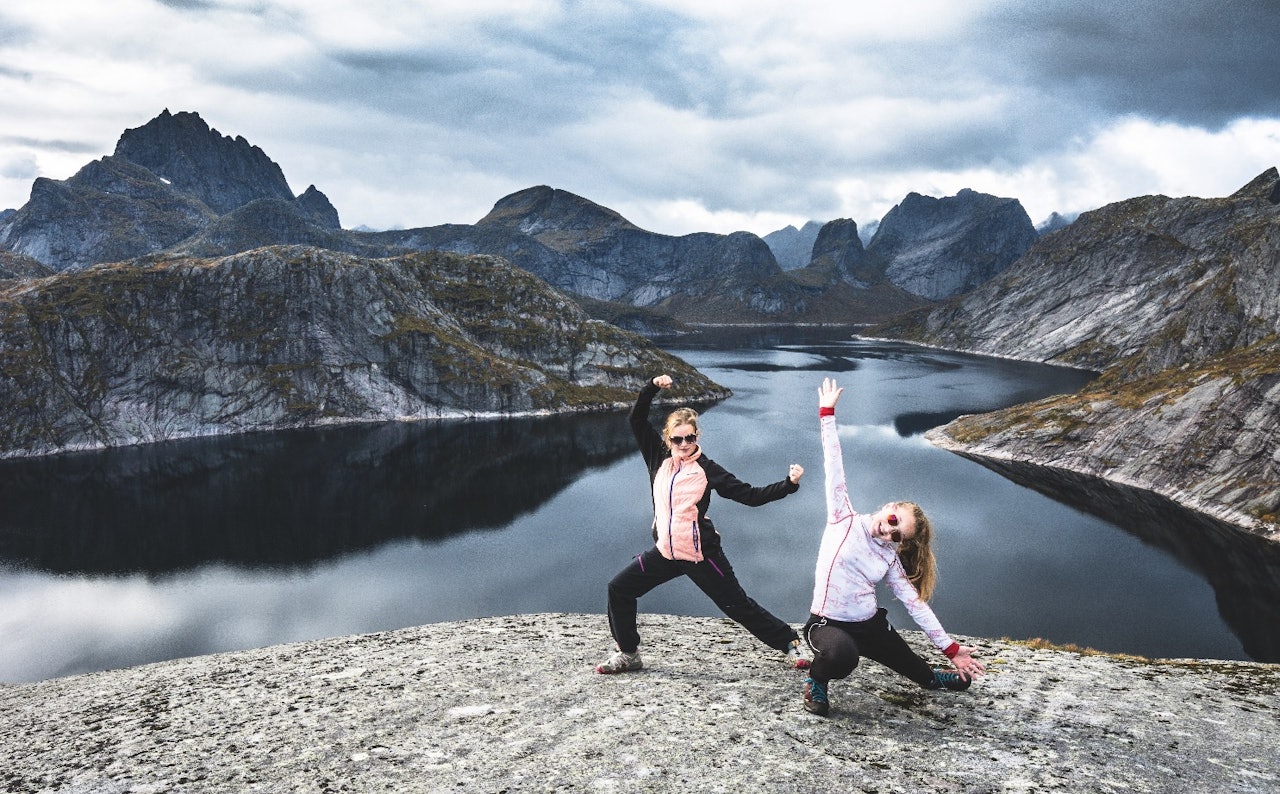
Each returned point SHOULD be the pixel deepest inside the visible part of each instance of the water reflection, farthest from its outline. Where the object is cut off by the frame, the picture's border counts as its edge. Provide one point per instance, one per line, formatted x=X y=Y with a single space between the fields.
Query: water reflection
x=1242 y=569
x=290 y=499
x=136 y=555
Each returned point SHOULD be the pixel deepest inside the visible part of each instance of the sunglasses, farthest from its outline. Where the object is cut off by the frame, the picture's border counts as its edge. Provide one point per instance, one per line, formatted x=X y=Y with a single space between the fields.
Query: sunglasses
x=896 y=534
x=678 y=440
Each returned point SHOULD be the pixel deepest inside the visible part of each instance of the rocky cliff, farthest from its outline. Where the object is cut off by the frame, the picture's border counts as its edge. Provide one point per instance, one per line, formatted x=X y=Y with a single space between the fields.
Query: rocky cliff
x=221 y=172
x=838 y=256
x=168 y=180
x=792 y=247
x=290 y=336
x=937 y=248
x=1177 y=302
x=444 y=708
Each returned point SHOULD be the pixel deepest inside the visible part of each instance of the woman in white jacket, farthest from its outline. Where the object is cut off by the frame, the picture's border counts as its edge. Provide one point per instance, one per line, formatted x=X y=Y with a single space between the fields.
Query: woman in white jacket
x=859 y=550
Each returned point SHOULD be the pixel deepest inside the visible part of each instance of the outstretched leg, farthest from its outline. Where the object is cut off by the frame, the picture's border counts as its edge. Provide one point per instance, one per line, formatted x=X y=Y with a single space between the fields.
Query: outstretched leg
x=881 y=641
x=645 y=572
x=714 y=576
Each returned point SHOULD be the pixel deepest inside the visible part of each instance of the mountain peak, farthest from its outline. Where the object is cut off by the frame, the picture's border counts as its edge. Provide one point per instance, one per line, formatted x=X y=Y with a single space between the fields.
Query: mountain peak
x=223 y=172
x=545 y=209
x=1265 y=185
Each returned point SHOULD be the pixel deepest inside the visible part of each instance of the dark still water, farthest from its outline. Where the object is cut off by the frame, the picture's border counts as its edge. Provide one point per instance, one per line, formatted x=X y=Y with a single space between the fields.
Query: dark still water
x=136 y=555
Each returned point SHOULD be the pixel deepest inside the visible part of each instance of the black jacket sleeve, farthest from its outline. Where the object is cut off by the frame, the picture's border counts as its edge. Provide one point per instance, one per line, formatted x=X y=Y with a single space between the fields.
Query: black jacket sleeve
x=730 y=487
x=649 y=439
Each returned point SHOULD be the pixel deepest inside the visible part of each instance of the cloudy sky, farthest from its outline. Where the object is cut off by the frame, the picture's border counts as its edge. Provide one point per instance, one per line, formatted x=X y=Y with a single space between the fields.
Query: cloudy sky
x=683 y=115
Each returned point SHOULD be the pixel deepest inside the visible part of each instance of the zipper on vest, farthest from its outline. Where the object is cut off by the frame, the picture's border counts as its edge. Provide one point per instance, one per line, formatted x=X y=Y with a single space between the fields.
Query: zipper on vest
x=671 y=511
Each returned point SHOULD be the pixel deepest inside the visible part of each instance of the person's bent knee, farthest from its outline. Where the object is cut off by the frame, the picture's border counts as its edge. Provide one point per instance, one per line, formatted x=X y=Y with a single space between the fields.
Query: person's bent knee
x=835 y=653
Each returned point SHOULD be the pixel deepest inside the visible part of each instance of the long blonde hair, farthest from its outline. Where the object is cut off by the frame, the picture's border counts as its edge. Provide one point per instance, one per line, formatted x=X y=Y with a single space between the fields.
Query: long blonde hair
x=916 y=553
x=680 y=416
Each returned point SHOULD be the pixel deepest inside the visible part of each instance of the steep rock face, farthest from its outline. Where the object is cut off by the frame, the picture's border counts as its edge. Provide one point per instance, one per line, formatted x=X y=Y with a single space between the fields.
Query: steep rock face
x=283 y=337
x=317 y=208
x=936 y=248
x=1177 y=301
x=169 y=180
x=839 y=257
x=109 y=211
x=1148 y=283
x=792 y=247
x=1203 y=435
x=221 y=172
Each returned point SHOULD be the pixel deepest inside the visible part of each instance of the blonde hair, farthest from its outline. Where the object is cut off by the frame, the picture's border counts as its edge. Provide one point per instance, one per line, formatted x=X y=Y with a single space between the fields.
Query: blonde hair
x=916 y=553
x=680 y=416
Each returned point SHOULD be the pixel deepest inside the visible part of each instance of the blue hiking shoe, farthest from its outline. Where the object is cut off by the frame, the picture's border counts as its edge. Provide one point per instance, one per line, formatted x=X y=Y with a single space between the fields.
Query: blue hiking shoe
x=949 y=679
x=815 y=697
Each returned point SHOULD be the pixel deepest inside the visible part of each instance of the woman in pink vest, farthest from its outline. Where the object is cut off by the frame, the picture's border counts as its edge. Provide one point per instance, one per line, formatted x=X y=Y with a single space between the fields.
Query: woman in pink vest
x=685 y=541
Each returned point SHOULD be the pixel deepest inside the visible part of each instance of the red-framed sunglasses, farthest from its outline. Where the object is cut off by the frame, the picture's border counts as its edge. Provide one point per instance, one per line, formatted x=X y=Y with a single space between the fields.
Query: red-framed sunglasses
x=895 y=534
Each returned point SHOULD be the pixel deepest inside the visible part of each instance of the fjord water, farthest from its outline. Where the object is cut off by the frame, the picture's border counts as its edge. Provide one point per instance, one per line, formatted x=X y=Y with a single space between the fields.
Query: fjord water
x=134 y=555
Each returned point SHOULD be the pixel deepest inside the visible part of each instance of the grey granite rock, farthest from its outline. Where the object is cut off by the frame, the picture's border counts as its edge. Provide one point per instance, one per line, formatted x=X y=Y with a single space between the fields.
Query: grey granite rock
x=294 y=336
x=512 y=704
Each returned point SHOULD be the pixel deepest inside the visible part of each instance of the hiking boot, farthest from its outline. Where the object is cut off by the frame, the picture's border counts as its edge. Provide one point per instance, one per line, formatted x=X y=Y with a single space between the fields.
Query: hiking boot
x=794 y=657
x=949 y=679
x=620 y=662
x=815 y=697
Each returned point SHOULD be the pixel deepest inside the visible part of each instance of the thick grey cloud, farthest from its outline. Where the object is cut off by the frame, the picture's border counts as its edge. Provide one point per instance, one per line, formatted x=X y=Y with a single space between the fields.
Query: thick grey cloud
x=1194 y=62
x=682 y=116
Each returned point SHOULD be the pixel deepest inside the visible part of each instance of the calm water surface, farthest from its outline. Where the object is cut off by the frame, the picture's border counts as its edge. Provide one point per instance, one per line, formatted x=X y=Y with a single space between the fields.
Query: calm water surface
x=137 y=555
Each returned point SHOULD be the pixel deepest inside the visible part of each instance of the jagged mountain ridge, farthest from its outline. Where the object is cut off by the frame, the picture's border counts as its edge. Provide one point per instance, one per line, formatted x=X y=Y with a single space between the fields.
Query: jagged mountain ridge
x=167 y=181
x=1177 y=302
x=591 y=251
x=792 y=247
x=298 y=336
x=176 y=185
x=221 y=172
x=940 y=247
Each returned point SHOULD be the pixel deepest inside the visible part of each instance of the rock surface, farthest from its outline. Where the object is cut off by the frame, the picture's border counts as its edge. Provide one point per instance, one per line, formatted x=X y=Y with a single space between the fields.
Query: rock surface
x=940 y=247
x=168 y=180
x=512 y=704
x=792 y=247
x=294 y=336
x=1177 y=302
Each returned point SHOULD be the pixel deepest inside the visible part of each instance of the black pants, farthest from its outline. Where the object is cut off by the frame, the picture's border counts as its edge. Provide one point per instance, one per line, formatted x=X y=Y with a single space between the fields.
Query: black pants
x=713 y=576
x=837 y=647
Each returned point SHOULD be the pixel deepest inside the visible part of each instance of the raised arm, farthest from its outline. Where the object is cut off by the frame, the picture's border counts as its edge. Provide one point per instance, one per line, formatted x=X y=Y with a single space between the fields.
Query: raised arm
x=838 y=507
x=649 y=439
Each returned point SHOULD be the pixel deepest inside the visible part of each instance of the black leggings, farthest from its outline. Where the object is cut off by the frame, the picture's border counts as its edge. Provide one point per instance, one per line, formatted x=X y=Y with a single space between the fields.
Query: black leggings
x=713 y=576
x=837 y=646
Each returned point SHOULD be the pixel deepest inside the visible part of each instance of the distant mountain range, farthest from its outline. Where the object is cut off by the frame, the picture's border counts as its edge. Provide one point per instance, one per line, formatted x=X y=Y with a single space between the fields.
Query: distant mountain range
x=174 y=185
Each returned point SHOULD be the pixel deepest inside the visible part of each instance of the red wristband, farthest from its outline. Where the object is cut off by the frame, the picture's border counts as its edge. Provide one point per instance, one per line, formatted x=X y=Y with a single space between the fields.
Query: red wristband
x=824 y=411
x=951 y=650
